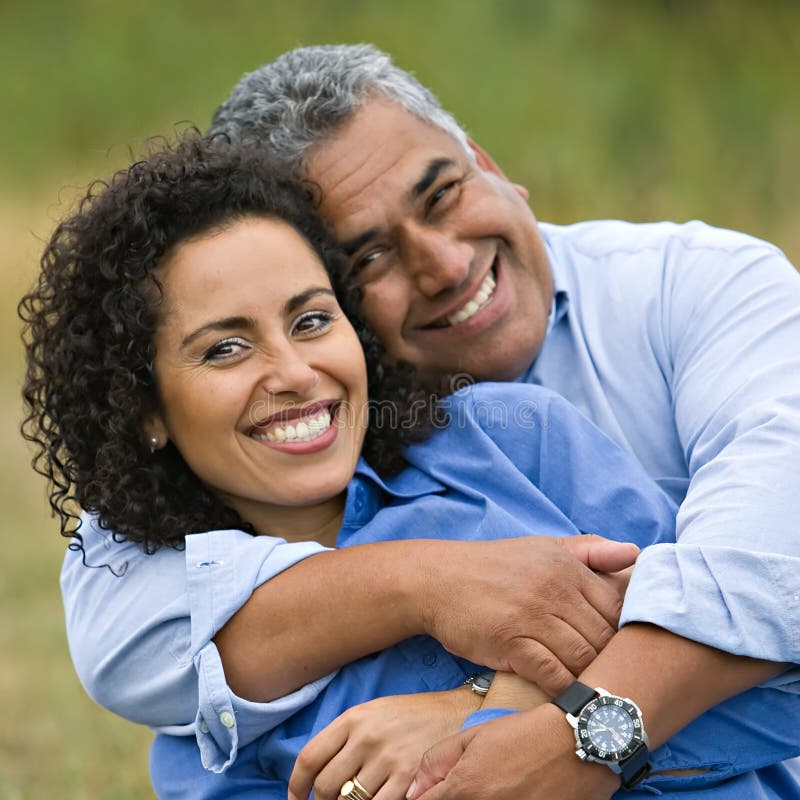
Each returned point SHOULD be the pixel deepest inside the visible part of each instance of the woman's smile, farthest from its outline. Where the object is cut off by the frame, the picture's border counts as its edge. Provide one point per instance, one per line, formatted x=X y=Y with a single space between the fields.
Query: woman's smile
x=301 y=430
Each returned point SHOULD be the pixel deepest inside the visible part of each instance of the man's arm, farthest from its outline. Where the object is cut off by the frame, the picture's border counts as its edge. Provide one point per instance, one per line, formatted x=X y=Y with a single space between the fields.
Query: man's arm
x=533 y=603
x=140 y=629
x=673 y=680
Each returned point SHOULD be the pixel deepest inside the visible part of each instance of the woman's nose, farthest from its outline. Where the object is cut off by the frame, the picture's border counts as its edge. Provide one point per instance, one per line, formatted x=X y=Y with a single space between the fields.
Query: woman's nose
x=290 y=373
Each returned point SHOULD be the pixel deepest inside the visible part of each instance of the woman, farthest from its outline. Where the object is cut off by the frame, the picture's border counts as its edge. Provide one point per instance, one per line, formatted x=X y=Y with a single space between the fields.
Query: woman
x=190 y=369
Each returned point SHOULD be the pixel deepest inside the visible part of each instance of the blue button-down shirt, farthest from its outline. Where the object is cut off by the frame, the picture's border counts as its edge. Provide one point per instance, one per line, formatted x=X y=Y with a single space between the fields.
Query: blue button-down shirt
x=541 y=467
x=680 y=342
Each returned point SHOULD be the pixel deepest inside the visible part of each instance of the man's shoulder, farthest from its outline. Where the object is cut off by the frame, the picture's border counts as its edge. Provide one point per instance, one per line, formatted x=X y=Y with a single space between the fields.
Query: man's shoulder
x=605 y=238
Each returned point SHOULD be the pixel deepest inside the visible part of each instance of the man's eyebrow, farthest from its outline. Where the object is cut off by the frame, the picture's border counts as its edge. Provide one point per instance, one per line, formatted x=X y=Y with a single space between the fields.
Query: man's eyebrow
x=301 y=299
x=431 y=174
x=226 y=324
x=351 y=246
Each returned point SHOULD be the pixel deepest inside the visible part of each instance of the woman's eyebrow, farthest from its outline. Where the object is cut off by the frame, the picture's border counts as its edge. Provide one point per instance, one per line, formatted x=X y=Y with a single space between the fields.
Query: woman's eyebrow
x=226 y=324
x=293 y=303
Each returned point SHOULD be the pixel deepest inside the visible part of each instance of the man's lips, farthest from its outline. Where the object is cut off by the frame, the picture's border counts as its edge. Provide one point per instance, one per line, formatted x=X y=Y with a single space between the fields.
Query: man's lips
x=470 y=303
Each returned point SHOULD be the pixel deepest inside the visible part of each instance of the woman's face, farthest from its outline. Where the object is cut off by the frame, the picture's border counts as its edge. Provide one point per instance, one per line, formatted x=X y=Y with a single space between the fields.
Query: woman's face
x=261 y=378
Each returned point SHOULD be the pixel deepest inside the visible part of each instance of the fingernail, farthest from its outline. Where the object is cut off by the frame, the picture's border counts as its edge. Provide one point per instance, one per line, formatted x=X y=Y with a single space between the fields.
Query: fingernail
x=411 y=789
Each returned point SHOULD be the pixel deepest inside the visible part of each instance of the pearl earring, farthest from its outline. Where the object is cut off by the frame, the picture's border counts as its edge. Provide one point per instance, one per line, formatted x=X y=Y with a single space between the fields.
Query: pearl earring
x=153 y=444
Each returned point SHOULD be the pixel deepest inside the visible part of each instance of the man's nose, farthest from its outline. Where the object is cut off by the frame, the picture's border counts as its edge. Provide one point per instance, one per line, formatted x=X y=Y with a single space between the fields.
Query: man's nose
x=436 y=261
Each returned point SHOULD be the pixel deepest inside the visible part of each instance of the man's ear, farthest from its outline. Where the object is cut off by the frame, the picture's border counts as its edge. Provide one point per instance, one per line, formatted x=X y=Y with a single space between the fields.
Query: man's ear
x=487 y=164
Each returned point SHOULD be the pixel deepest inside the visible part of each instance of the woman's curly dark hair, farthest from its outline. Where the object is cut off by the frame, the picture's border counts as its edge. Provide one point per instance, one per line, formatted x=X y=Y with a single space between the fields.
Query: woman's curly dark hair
x=89 y=325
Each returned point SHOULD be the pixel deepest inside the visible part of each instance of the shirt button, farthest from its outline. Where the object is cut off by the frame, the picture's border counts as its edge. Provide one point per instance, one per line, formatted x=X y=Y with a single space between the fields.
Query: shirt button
x=360 y=498
x=226 y=718
x=203 y=726
x=429 y=659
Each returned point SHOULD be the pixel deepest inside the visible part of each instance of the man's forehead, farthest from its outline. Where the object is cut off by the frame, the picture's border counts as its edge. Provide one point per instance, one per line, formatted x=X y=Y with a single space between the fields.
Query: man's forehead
x=380 y=136
x=384 y=156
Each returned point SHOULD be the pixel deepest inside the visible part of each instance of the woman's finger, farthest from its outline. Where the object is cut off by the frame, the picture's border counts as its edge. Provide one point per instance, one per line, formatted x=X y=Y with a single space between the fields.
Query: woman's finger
x=374 y=776
x=395 y=787
x=313 y=758
x=344 y=767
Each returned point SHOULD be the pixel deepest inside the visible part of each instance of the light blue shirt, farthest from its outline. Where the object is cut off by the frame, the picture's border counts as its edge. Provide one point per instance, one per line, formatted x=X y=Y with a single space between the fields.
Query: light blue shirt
x=680 y=342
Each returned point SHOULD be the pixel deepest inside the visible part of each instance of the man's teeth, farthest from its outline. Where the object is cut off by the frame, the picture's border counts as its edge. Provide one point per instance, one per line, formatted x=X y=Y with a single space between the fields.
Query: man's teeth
x=304 y=431
x=482 y=296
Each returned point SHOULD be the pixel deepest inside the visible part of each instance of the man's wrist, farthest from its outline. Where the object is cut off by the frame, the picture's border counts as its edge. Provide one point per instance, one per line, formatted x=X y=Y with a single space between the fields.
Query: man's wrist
x=562 y=737
x=639 y=663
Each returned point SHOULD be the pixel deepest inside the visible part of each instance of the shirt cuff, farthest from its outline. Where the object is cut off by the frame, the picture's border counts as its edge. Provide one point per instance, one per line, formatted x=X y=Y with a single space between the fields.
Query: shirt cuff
x=223 y=569
x=486 y=715
x=225 y=723
x=742 y=602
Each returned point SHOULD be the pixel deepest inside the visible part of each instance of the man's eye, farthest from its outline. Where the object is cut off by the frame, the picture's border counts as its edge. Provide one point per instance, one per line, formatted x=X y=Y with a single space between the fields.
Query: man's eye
x=437 y=196
x=312 y=323
x=225 y=350
x=366 y=267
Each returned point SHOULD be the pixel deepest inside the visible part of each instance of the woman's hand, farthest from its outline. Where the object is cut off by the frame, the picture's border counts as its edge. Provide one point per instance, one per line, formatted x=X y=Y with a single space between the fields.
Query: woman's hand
x=380 y=743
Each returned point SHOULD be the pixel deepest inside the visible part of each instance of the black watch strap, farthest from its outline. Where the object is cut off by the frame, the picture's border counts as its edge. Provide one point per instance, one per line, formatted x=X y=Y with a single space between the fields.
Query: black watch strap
x=574 y=698
x=636 y=767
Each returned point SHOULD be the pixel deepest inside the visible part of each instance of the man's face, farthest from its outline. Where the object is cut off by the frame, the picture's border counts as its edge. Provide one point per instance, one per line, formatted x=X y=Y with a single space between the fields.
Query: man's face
x=454 y=270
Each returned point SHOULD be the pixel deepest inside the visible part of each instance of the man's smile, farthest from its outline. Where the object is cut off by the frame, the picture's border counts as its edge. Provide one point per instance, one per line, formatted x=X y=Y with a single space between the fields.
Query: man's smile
x=469 y=307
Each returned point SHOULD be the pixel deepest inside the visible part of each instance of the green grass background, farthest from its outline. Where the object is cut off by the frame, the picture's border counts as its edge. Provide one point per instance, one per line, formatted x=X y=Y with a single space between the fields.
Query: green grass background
x=639 y=109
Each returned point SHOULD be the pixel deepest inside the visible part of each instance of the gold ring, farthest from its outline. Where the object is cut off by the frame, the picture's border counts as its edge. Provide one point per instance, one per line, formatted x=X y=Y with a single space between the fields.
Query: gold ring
x=353 y=790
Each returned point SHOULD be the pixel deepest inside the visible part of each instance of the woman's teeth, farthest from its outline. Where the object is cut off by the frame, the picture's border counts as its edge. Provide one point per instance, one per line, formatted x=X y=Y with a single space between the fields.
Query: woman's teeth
x=482 y=296
x=304 y=431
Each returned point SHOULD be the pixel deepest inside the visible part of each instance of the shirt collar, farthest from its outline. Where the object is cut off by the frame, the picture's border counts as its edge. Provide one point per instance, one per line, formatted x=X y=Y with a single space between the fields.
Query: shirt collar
x=560 y=304
x=409 y=483
x=368 y=492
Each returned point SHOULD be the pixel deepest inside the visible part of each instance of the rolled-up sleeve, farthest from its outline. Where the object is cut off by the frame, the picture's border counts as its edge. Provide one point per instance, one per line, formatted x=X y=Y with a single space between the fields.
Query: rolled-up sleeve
x=220 y=579
x=140 y=626
x=732 y=579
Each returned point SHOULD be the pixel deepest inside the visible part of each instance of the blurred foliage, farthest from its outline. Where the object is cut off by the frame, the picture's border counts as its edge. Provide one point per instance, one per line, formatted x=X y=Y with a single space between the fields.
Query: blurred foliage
x=640 y=109
x=618 y=108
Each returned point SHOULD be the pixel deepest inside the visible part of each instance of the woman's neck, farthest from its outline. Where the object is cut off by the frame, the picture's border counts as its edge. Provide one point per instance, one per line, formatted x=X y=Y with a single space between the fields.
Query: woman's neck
x=316 y=523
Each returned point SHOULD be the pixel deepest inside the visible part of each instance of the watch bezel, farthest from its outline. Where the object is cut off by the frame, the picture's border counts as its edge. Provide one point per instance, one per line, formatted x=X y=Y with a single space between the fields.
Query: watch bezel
x=591 y=750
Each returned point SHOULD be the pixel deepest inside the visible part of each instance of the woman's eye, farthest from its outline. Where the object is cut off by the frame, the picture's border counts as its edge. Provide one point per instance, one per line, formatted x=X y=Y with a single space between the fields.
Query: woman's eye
x=312 y=323
x=225 y=350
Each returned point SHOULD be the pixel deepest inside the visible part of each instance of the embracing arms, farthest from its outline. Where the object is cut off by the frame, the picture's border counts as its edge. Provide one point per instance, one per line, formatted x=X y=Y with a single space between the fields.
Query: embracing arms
x=532 y=605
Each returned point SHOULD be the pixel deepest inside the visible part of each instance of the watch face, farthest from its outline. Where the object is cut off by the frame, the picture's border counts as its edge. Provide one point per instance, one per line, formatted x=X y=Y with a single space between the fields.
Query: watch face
x=609 y=728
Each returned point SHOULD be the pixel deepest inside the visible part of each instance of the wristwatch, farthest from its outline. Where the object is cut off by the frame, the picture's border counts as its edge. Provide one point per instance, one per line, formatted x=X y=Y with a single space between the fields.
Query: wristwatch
x=480 y=682
x=608 y=730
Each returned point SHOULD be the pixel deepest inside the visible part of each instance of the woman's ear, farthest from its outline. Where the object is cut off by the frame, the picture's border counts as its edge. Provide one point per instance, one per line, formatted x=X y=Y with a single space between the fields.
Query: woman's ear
x=155 y=432
x=487 y=164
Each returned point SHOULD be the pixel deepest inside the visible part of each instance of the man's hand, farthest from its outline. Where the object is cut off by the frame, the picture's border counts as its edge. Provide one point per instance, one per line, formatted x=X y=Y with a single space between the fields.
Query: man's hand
x=530 y=755
x=531 y=606
x=380 y=742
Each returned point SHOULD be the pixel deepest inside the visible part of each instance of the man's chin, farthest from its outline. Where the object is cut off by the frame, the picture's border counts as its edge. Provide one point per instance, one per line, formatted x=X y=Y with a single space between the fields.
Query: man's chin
x=448 y=381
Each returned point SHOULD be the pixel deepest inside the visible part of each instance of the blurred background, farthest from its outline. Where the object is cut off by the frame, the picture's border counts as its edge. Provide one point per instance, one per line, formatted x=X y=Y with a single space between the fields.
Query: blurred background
x=640 y=110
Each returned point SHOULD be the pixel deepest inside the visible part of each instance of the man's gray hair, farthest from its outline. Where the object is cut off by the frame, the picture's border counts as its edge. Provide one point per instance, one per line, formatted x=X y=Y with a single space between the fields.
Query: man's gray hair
x=304 y=96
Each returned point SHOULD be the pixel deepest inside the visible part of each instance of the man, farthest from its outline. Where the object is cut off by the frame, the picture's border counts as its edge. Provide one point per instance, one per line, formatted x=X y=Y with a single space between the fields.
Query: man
x=678 y=341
